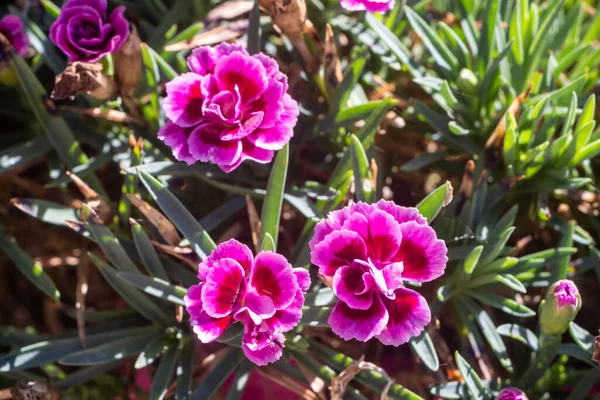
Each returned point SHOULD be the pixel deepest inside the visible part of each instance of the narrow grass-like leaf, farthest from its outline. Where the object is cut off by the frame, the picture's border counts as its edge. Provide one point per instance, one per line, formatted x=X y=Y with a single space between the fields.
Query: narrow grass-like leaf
x=84 y=375
x=350 y=115
x=254 y=33
x=451 y=390
x=56 y=128
x=316 y=316
x=45 y=352
x=423 y=160
x=321 y=298
x=178 y=11
x=507 y=305
x=164 y=374
x=215 y=378
x=166 y=69
x=431 y=205
x=423 y=347
x=489 y=332
x=438 y=49
x=30 y=269
x=200 y=240
x=152 y=351
x=472 y=380
x=471 y=260
x=147 y=252
x=185 y=370
x=585 y=385
x=46 y=211
x=268 y=244
x=519 y=333
x=23 y=153
x=137 y=300
x=271 y=209
x=242 y=376
x=362 y=172
x=583 y=338
x=559 y=268
x=116 y=350
x=395 y=45
x=156 y=287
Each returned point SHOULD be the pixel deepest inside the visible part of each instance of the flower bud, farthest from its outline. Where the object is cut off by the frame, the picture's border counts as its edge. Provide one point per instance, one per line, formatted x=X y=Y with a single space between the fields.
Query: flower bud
x=559 y=308
x=511 y=394
x=467 y=81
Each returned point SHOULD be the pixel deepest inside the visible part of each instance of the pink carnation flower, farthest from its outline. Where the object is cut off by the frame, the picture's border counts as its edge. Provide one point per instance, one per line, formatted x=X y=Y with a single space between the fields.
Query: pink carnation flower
x=12 y=29
x=231 y=107
x=368 y=5
x=264 y=293
x=511 y=394
x=369 y=250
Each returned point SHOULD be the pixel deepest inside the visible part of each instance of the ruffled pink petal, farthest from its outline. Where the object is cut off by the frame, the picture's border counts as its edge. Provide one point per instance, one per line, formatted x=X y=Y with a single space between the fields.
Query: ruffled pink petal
x=120 y=25
x=257 y=306
x=367 y=5
x=244 y=129
x=252 y=152
x=302 y=277
x=349 y=287
x=272 y=276
x=401 y=214
x=384 y=236
x=183 y=104
x=408 y=316
x=286 y=319
x=98 y=5
x=421 y=252
x=176 y=138
x=206 y=146
x=269 y=63
x=205 y=327
x=268 y=353
x=222 y=288
x=349 y=323
x=246 y=72
x=386 y=279
x=338 y=249
x=282 y=125
x=230 y=249
x=203 y=59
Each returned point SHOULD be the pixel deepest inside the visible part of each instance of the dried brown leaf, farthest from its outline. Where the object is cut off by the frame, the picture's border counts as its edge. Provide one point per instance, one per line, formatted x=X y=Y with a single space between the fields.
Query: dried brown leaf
x=340 y=383
x=254 y=221
x=101 y=206
x=331 y=61
x=229 y=10
x=128 y=64
x=223 y=33
x=165 y=227
x=34 y=391
x=86 y=78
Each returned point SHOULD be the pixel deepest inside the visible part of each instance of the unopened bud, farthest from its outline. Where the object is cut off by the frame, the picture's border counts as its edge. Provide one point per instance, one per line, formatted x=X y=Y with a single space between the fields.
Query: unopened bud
x=559 y=308
x=511 y=394
x=467 y=81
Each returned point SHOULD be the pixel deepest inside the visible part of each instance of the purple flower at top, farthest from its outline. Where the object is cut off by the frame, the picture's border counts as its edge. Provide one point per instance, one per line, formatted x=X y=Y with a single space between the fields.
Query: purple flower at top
x=231 y=107
x=566 y=293
x=84 y=32
x=369 y=251
x=12 y=29
x=264 y=293
x=511 y=394
x=368 y=5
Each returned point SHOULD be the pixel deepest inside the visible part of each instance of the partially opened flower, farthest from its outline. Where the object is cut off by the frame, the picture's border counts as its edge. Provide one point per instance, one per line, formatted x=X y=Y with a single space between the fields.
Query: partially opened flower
x=560 y=307
x=369 y=251
x=85 y=32
x=12 y=29
x=368 y=5
x=264 y=293
x=231 y=107
x=511 y=394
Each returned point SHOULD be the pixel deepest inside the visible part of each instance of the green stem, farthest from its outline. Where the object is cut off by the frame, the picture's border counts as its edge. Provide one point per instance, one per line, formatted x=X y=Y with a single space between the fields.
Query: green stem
x=542 y=359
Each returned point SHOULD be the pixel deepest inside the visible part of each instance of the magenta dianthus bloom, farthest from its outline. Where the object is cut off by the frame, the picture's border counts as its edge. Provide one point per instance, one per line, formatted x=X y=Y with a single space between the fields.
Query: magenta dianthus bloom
x=84 y=33
x=511 y=394
x=12 y=29
x=264 y=293
x=368 y=5
x=231 y=107
x=369 y=250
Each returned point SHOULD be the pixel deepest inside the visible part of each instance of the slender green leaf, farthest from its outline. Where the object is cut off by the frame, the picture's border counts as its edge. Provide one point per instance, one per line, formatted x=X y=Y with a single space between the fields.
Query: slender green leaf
x=316 y=316
x=147 y=253
x=362 y=172
x=46 y=211
x=153 y=351
x=474 y=383
x=23 y=153
x=519 y=333
x=242 y=376
x=32 y=270
x=116 y=350
x=423 y=160
x=585 y=385
x=213 y=381
x=268 y=244
x=137 y=300
x=431 y=205
x=200 y=240
x=155 y=287
x=583 y=338
x=271 y=209
x=321 y=298
x=164 y=374
x=507 y=305
x=423 y=347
